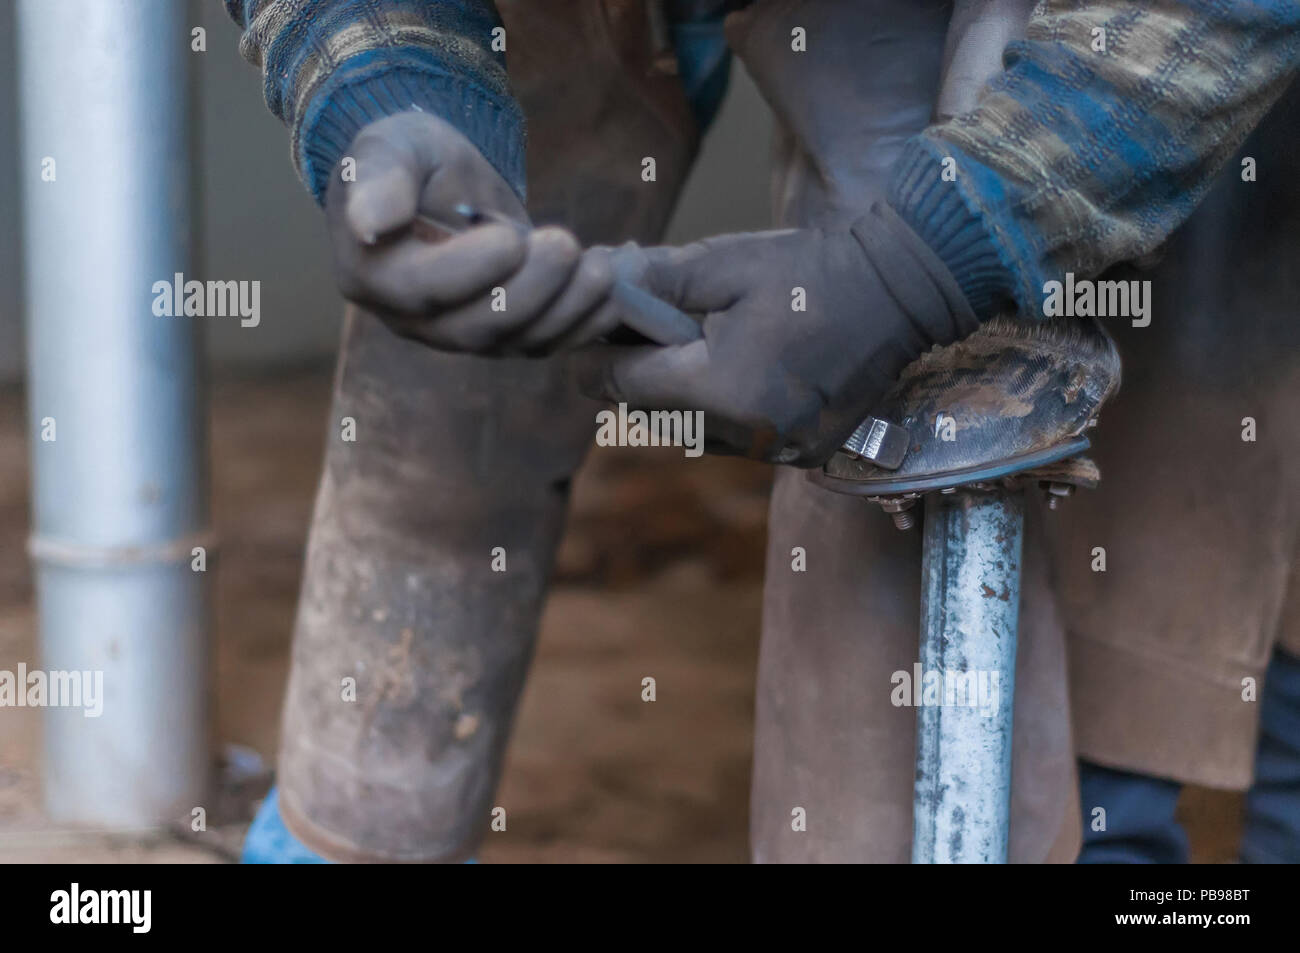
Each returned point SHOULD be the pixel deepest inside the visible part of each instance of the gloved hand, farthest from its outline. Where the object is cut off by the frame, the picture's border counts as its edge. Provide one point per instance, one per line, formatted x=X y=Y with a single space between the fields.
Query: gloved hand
x=413 y=163
x=776 y=383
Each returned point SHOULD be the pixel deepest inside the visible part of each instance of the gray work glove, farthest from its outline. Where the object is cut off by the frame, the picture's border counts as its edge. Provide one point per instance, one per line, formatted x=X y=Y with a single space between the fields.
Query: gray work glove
x=437 y=287
x=776 y=383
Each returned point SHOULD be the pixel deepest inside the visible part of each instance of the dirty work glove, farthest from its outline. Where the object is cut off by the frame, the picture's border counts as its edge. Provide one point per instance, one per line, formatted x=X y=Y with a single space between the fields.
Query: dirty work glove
x=436 y=286
x=774 y=382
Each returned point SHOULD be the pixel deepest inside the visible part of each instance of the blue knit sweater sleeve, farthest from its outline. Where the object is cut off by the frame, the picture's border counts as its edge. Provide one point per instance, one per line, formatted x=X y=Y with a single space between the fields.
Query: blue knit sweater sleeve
x=332 y=66
x=1098 y=139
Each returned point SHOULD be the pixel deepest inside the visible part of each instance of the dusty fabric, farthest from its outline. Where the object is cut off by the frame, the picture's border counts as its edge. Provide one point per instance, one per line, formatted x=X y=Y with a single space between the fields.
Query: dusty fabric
x=412 y=779
x=827 y=736
x=600 y=96
x=829 y=739
x=1201 y=537
x=1200 y=527
x=453 y=457
x=432 y=539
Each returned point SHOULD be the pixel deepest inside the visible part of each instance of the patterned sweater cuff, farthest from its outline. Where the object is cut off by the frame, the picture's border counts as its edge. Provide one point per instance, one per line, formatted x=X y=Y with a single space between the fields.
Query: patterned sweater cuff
x=386 y=81
x=951 y=224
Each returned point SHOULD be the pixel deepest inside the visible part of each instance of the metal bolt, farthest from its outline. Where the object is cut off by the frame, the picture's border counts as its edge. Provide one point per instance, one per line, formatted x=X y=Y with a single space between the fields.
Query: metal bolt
x=1055 y=492
x=900 y=512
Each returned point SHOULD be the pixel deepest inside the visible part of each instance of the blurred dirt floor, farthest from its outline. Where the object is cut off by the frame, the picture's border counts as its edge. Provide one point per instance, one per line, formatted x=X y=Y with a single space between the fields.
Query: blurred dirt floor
x=659 y=575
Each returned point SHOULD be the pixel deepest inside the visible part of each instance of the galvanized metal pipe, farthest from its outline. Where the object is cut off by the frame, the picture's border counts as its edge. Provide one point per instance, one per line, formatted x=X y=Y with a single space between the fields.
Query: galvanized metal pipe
x=970 y=604
x=119 y=493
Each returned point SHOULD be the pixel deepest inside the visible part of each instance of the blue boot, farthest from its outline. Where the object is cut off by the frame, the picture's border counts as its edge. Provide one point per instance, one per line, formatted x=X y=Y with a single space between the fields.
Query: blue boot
x=269 y=842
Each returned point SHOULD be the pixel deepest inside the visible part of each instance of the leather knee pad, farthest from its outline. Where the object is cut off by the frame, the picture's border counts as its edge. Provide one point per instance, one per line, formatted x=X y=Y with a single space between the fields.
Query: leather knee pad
x=435 y=527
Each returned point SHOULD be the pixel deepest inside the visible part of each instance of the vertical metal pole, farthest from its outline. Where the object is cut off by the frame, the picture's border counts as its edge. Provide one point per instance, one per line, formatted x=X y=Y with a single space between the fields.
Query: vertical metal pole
x=970 y=604
x=116 y=415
